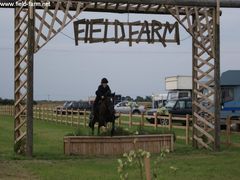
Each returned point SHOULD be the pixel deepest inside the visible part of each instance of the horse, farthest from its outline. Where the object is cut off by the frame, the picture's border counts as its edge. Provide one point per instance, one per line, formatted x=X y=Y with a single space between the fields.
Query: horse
x=105 y=114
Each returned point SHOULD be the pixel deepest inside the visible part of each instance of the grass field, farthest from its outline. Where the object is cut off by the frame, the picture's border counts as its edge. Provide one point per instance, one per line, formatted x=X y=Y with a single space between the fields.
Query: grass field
x=50 y=163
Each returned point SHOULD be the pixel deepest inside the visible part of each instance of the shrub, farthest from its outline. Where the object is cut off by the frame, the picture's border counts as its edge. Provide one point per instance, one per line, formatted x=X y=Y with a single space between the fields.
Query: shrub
x=119 y=131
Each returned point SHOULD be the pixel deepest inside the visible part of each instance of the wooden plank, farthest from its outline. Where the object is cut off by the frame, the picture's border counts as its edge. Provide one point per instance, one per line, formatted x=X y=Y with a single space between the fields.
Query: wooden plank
x=53 y=20
x=200 y=141
x=42 y=20
x=199 y=118
x=66 y=14
x=209 y=136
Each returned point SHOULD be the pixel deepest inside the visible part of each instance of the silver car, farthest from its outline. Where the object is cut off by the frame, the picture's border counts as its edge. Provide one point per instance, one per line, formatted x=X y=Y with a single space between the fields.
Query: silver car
x=129 y=106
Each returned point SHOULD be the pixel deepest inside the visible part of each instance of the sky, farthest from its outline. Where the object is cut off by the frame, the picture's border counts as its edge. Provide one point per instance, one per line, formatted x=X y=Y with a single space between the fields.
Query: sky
x=63 y=71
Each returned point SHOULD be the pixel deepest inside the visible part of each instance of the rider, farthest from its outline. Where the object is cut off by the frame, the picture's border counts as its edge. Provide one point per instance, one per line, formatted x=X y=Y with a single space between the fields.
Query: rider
x=102 y=91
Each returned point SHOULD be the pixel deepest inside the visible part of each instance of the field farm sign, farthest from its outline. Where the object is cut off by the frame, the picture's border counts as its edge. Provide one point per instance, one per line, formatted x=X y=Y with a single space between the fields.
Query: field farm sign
x=103 y=30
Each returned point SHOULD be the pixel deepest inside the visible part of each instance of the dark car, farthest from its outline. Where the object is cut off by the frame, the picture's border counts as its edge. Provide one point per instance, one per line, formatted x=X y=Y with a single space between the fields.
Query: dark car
x=180 y=107
x=74 y=105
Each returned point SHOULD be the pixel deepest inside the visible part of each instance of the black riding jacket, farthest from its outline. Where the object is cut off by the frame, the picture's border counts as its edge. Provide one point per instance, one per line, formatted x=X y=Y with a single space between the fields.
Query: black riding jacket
x=101 y=91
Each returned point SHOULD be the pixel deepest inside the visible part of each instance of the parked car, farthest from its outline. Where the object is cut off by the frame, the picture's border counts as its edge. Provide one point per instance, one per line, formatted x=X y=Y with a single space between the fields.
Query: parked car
x=127 y=107
x=73 y=105
x=181 y=107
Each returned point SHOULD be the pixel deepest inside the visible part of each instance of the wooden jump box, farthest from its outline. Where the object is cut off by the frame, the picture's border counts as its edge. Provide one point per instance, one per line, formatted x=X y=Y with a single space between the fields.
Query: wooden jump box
x=116 y=145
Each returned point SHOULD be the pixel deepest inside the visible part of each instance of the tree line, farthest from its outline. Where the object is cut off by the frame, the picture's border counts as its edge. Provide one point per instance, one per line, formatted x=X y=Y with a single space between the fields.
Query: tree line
x=138 y=99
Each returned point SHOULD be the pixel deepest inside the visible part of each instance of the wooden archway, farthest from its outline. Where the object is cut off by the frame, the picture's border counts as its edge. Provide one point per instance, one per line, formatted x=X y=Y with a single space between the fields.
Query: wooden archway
x=200 y=18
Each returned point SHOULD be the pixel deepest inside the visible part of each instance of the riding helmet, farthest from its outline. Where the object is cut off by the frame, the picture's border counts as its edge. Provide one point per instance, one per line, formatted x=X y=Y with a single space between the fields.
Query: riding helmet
x=104 y=80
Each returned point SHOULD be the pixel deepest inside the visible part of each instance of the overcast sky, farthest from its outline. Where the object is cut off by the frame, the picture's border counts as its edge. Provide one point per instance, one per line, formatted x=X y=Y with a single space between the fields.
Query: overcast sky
x=63 y=71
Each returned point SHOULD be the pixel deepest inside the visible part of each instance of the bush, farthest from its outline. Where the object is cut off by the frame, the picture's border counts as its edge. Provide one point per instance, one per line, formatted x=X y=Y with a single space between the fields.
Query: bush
x=119 y=131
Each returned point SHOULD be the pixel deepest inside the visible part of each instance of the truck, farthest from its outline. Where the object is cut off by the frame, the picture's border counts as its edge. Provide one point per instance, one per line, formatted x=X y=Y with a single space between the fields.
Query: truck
x=159 y=100
x=179 y=92
x=178 y=87
x=230 y=96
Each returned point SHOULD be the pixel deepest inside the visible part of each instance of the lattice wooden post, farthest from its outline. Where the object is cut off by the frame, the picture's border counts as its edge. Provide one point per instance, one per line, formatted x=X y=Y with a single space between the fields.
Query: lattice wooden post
x=200 y=23
x=217 y=78
x=25 y=46
x=21 y=77
x=31 y=42
x=206 y=103
x=23 y=81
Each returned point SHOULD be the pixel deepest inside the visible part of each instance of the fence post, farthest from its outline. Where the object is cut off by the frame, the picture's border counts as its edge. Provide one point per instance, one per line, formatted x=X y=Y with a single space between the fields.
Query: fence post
x=155 y=120
x=61 y=116
x=38 y=112
x=130 y=119
x=119 y=119
x=85 y=118
x=142 y=119
x=170 y=121
x=56 y=115
x=44 y=114
x=66 y=117
x=229 y=130
x=78 y=118
x=48 y=114
x=72 y=117
x=41 y=112
x=187 y=129
x=52 y=112
x=147 y=168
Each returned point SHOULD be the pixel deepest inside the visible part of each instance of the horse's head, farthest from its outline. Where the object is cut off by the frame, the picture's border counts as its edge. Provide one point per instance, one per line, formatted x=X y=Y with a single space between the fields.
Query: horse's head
x=106 y=107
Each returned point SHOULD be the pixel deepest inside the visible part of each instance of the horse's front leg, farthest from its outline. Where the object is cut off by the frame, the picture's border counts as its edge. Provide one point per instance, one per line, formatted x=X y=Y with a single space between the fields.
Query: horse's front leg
x=93 y=130
x=98 y=132
x=113 y=128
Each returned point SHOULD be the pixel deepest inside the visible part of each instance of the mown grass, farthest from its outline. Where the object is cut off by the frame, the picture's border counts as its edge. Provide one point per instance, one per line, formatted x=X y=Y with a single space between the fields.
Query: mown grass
x=49 y=162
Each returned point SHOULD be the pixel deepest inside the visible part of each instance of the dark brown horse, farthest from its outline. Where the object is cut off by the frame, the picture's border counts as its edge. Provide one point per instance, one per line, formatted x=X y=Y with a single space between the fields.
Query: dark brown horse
x=105 y=113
